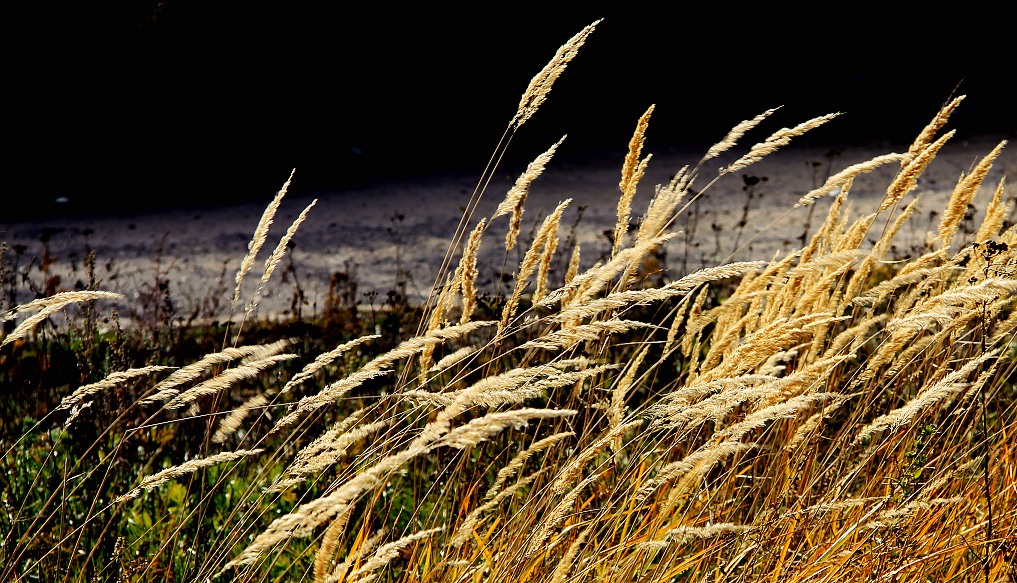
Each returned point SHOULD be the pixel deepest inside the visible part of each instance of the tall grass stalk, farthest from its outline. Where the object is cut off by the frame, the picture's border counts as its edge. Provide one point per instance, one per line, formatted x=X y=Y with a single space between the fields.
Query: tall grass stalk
x=826 y=415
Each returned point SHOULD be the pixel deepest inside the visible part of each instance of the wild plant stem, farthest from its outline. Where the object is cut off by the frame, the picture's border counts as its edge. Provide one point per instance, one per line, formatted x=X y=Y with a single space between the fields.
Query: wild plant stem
x=986 y=464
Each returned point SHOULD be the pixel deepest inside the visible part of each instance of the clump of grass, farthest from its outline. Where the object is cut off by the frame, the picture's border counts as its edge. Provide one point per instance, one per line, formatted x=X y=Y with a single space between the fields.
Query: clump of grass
x=827 y=415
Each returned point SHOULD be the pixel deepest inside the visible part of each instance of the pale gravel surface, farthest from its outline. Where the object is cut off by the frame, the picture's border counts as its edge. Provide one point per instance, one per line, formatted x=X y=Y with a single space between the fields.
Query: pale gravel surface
x=381 y=232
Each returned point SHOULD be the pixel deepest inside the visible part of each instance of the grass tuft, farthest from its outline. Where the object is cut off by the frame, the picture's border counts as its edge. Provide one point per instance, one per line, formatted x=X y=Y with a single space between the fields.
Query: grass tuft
x=830 y=414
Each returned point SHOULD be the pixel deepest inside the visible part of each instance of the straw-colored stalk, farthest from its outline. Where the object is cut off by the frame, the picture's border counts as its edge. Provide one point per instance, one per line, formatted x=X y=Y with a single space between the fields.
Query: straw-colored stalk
x=695 y=322
x=226 y=379
x=509 y=470
x=410 y=347
x=565 y=339
x=735 y=134
x=323 y=360
x=777 y=140
x=942 y=392
x=276 y=257
x=483 y=428
x=937 y=123
x=324 y=559
x=386 y=553
x=548 y=229
x=469 y=524
x=627 y=298
x=236 y=418
x=564 y=566
x=260 y=235
x=511 y=388
x=590 y=283
x=757 y=347
x=632 y=172
x=516 y=196
x=326 y=441
x=168 y=474
x=573 y=268
x=305 y=518
x=111 y=380
x=682 y=535
x=330 y=394
x=699 y=462
x=845 y=176
x=789 y=409
x=617 y=410
x=851 y=340
x=467 y=272
x=963 y=193
x=504 y=382
x=761 y=396
x=671 y=341
x=657 y=218
x=540 y=86
x=435 y=322
x=356 y=555
x=894 y=517
x=325 y=451
x=170 y=386
x=808 y=428
x=995 y=215
x=568 y=475
x=885 y=241
x=47 y=307
x=907 y=179
x=454 y=358
x=558 y=514
x=550 y=247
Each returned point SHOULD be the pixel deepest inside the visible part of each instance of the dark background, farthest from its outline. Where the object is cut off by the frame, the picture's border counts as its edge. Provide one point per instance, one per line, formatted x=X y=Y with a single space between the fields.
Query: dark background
x=126 y=106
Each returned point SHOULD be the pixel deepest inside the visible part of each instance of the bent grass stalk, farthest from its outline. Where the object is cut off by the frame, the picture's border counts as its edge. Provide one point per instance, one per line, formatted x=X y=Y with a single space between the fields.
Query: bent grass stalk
x=758 y=420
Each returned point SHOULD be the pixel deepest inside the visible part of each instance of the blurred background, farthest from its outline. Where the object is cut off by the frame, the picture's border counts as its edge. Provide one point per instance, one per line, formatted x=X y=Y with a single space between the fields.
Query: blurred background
x=136 y=105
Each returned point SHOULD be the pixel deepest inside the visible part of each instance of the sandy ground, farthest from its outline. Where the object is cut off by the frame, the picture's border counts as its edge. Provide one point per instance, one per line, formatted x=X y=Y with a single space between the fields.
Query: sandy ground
x=397 y=234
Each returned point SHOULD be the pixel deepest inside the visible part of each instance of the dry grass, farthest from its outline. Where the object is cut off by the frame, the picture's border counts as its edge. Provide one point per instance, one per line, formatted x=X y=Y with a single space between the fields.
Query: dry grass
x=826 y=416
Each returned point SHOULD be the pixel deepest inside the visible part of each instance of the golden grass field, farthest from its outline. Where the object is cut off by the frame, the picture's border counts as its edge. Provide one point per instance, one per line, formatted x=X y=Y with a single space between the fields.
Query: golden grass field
x=837 y=411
